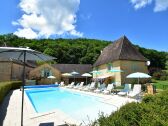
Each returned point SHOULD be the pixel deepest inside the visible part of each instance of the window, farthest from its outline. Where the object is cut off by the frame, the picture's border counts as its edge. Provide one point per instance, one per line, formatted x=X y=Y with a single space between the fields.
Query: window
x=46 y=72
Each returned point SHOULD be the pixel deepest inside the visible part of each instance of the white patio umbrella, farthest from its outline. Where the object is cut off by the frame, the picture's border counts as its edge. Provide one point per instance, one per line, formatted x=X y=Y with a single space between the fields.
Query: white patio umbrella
x=51 y=77
x=67 y=74
x=86 y=75
x=138 y=75
x=74 y=73
x=23 y=54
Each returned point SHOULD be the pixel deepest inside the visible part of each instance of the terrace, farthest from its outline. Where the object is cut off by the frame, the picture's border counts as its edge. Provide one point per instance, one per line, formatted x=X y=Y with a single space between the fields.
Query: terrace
x=12 y=106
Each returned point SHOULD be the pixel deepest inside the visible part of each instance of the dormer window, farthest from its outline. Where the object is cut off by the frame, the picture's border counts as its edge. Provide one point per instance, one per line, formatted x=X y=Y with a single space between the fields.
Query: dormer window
x=46 y=72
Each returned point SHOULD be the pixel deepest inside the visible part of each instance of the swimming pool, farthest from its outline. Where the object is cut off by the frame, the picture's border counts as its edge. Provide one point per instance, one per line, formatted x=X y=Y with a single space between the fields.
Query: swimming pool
x=79 y=106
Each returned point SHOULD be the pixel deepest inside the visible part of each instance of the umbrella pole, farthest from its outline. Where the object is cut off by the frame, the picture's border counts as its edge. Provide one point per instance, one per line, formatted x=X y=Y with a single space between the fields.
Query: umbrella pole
x=138 y=80
x=74 y=78
x=23 y=84
x=86 y=80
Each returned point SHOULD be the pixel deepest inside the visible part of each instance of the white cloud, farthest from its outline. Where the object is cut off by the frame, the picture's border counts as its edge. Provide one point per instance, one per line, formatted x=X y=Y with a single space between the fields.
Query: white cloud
x=140 y=3
x=160 y=5
x=26 y=32
x=43 y=18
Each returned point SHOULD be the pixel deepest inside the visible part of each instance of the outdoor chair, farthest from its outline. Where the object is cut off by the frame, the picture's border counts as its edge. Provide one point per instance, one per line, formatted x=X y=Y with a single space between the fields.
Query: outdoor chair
x=79 y=85
x=62 y=84
x=125 y=91
x=136 y=90
x=89 y=87
x=108 y=89
x=100 y=89
x=71 y=85
x=86 y=87
x=92 y=86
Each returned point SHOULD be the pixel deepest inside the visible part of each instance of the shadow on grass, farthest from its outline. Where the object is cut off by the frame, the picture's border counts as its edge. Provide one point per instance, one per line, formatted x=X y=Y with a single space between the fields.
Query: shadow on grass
x=4 y=106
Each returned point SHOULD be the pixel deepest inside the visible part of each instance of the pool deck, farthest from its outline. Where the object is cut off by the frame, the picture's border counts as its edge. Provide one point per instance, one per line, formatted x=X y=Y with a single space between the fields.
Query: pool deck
x=10 y=110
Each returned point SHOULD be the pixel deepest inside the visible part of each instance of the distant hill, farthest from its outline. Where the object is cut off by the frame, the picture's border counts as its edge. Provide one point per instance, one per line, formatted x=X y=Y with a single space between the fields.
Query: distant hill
x=81 y=50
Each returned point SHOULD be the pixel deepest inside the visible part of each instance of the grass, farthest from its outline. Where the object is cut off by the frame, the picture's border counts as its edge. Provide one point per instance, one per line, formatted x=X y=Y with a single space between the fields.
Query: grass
x=160 y=84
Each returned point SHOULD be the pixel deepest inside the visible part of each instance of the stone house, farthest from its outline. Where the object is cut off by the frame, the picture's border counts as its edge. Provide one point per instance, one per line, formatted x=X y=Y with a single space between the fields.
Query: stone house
x=120 y=55
x=11 y=69
x=43 y=71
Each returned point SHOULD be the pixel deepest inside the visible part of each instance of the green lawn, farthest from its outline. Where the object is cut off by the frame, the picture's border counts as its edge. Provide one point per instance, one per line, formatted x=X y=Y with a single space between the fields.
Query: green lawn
x=160 y=84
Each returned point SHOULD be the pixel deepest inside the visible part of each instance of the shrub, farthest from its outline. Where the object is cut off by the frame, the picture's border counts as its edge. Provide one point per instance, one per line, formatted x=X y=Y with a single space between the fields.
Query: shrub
x=160 y=75
x=152 y=111
x=157 y=75
x=163 y=78
x=5 y=87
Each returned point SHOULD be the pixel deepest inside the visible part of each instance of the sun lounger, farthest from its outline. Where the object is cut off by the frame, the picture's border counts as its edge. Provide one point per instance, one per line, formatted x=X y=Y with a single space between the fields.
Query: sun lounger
x=108 y=89
x=62 y=84
x=100 y=89
x=136 y=90
x=90 y=87
x=125 y=91
x=71 y=85
x=79 y=85
x=85 y=88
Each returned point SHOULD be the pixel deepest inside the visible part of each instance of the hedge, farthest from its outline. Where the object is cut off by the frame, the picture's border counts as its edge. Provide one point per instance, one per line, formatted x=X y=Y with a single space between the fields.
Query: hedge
x=152 y=111
x=5 y=87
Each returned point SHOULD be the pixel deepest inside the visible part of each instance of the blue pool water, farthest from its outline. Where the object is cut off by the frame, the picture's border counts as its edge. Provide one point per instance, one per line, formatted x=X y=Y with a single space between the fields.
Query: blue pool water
x=79 y=106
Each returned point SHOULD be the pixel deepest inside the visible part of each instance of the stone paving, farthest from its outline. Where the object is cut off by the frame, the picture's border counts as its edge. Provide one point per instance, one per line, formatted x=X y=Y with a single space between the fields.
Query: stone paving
x=10 y=111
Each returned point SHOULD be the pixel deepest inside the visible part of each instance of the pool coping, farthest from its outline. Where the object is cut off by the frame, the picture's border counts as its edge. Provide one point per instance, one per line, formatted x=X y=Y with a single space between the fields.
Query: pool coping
x=55 y=112
x=107 y=99
x=31 y=117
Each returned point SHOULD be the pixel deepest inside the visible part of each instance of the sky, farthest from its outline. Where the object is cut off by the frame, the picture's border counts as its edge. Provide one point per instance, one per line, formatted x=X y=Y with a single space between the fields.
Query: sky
x=144 y=22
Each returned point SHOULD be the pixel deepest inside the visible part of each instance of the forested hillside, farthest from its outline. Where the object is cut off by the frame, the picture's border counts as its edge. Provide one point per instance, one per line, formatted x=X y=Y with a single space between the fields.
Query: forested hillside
x=81 y=50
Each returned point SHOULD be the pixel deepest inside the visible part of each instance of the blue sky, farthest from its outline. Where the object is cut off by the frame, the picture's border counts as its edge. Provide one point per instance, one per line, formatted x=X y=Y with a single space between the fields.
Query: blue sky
x=144 y=23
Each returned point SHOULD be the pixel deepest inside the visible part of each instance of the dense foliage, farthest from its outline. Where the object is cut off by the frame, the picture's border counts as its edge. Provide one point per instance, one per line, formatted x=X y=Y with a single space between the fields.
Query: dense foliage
x=81 y=50
x=5 y=87
x=153 y=111
x=158 y=59
x=84 y=51
x=160 y=75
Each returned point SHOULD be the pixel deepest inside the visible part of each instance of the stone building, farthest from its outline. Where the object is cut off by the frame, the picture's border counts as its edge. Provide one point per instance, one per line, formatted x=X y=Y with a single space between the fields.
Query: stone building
x=121 y=56
x=11 y=69
x=42 y=72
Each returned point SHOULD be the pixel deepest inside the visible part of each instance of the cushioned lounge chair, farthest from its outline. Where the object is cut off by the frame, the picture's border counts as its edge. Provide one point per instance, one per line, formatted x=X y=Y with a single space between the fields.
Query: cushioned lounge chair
x=108 y=89
x=136 y=90
x=85 y=88
x=100 y=89
x=125 y=91
x=79 y=85
x=71 y=85
x=90 y=87
x=62 y=84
